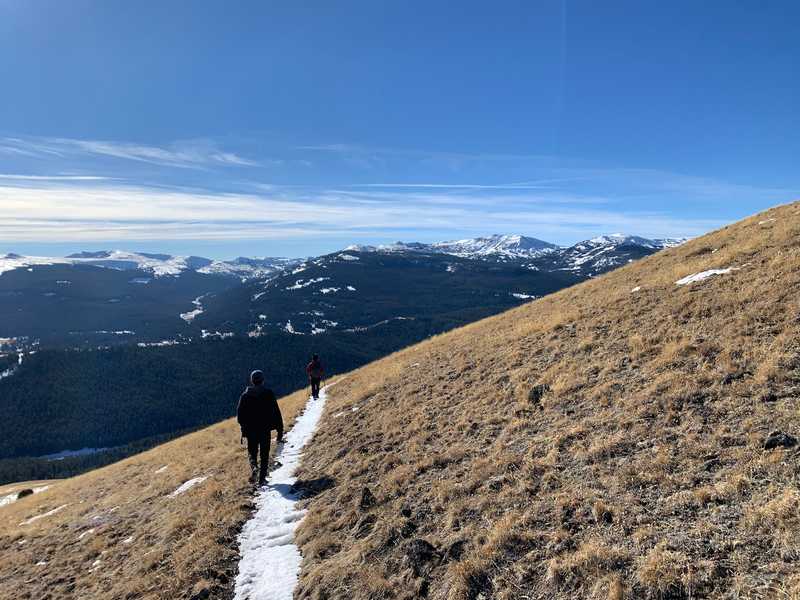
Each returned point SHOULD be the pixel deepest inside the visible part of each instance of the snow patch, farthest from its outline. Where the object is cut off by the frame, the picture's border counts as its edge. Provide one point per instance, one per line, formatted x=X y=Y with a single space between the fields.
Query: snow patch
x=301 y=283
x=205 y=333
x=348 y=257
x=689 y=279
x=187 y=485
x=161 y=469
x=636 y=289
x=270 y=563
x=14 y=496
x=289 y=328
x=523 y=296
x=49 y=513
x=198 y=310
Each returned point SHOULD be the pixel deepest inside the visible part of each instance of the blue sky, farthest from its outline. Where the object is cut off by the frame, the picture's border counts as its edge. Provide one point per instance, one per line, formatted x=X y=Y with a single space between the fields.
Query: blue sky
x=266 y=128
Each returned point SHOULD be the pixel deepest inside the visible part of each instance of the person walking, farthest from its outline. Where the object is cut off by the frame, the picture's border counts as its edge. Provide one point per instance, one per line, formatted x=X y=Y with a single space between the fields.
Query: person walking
x=315 y=374
x=258 y=414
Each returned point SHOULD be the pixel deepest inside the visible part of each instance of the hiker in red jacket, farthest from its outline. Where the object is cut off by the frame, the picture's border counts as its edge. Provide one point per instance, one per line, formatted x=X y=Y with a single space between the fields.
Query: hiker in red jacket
x=315 y=374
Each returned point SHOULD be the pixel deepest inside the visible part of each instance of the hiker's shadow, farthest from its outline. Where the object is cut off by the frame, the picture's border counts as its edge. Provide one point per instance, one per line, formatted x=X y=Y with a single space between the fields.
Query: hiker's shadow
x=304 y=488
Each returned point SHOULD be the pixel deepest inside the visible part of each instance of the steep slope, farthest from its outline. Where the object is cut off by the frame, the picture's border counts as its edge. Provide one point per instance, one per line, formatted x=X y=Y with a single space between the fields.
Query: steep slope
x=609 y=441
x=630 y=437
x=161 y=524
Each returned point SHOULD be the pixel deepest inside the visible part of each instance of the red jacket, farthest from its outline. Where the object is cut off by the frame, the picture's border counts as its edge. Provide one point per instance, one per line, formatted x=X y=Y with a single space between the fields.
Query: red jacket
x=314 y=370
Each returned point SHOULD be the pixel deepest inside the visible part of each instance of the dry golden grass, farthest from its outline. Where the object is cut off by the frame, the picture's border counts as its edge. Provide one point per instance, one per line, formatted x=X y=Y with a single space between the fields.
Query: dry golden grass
x=119 y=533
x=639 y=471
x=639 y=474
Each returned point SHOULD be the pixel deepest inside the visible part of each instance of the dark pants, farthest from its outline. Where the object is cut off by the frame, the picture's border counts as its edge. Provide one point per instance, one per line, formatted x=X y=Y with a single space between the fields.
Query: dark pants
x=315 y=386
x=258 y=447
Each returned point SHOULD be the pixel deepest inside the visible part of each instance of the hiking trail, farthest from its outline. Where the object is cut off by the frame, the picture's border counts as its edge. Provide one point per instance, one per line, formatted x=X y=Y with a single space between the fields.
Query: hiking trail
x=270 y=561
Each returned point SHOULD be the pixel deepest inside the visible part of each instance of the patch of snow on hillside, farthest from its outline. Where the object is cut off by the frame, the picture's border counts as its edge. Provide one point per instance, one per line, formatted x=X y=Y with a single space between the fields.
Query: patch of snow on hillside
x=205 y=334
x=160 y=344
x=189 y=316
x=161 y=469
x=636 y=289
x=14 y=496
x=13 y=369
x=350 y=288
x=49 y=513
x=523 y=296
x=301 y=283
x=348 y=257
x=330 y=290
x=689 y=279
x=766 y=221
x=289 y=328
x=187 y=485
x=270 y=563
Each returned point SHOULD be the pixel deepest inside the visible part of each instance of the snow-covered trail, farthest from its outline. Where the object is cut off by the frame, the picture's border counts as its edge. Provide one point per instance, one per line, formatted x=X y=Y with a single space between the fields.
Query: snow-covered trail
x=270 y=560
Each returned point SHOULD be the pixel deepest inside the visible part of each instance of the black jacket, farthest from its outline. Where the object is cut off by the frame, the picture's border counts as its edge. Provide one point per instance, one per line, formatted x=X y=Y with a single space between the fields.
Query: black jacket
x=258 y=412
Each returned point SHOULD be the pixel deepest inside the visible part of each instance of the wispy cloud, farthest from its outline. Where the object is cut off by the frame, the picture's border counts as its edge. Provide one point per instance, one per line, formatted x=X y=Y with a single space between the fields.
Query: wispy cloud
x=14 y=177
x=74 y=211
x=184 y=154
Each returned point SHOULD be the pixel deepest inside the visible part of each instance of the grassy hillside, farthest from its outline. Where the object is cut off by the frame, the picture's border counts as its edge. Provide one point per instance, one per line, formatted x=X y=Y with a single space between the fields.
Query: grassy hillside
x=118 y=533
x=598 y=443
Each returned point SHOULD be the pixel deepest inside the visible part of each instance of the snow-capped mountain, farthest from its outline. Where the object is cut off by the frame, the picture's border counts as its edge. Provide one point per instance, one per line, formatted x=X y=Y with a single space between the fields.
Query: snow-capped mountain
x=496 y=246
x=600 y=254
x=589 y=257
x=159 y=265
x=509 y=246
x=124 y=297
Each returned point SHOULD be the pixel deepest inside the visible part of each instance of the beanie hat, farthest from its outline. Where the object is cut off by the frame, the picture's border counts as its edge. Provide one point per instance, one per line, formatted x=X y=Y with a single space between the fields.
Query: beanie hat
x=257 y=377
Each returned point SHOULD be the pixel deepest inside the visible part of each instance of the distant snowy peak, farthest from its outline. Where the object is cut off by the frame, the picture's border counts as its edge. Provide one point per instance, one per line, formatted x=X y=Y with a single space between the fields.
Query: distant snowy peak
x=511 y=246
x=621 y=239
x=520 y=247
x=600 y=254
x=159 y=265
x=494 y=246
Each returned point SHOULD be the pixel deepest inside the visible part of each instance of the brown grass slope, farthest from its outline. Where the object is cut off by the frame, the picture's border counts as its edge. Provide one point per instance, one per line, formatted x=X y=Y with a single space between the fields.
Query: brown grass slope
x=119 y=534
x=640 y=473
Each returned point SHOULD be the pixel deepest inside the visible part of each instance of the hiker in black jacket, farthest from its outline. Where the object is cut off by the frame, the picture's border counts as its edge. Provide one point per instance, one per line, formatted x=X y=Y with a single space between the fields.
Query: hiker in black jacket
x=258 y=414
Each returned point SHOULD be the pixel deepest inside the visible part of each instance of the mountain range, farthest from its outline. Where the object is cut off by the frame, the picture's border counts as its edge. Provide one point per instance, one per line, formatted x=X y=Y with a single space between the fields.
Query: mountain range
x=633 y=436
x=110 y=297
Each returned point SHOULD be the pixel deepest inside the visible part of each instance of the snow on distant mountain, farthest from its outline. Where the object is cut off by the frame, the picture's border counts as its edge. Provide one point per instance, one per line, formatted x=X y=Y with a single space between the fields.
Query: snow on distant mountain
x=496 y=246
x=159 y=265
x=589 y=257
x=600 y=254
x=509 y=246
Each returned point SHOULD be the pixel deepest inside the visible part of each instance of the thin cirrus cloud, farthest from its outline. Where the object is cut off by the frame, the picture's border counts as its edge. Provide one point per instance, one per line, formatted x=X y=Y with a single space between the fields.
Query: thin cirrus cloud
x=184 y=154
x=48 y=211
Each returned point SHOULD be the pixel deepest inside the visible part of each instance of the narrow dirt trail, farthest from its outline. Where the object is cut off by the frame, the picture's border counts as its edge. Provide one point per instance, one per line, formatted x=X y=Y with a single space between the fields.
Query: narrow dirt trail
x=270 y=560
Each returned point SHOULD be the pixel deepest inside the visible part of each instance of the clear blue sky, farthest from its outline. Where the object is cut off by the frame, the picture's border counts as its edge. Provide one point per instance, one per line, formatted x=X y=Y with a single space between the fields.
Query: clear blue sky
x=294 y=128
